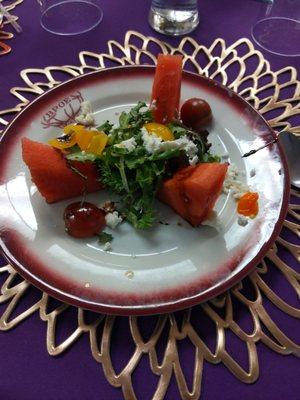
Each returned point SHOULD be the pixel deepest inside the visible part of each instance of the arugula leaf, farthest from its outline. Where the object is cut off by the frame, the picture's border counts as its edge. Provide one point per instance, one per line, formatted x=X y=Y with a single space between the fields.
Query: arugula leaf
x=208 y=158
x=105 y=127
x=177 y=130
x=104 y=237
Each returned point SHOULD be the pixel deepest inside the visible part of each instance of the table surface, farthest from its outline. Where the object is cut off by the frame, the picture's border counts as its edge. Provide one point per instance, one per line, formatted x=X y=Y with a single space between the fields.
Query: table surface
x=27 y=371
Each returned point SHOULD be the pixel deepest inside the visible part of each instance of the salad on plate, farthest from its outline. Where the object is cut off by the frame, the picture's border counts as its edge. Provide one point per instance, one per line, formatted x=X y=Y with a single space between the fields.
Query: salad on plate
x=160 y=151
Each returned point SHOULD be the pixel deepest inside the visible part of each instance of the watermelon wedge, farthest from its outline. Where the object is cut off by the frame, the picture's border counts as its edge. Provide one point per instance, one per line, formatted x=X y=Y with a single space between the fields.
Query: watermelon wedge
x=193 y=191
x=53 y=177
x=166 y=88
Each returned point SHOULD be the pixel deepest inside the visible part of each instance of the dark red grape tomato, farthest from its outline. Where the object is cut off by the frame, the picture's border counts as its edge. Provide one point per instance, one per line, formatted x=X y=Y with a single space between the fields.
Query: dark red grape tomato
x=83 y=219
x=195 y=113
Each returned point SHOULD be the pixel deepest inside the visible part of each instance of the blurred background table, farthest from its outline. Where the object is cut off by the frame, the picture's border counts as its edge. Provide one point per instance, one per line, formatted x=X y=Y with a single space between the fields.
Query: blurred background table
x=27 y=371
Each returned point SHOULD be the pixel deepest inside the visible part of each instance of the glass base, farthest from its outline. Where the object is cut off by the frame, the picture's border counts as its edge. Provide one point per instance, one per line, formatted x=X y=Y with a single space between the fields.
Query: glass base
x=173 y=22
x=71 y=17
x=278 y=35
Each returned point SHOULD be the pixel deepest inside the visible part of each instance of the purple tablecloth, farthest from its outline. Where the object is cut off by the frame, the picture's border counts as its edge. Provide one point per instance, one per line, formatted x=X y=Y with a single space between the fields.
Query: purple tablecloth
x=27 y=371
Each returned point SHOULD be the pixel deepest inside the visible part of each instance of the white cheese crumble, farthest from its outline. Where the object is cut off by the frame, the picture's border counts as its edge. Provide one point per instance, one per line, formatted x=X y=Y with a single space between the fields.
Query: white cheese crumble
x=85 y=117
x=107 y=246
x=113 y=219
x=129 y=144
x=153 y=143
x=233 y=183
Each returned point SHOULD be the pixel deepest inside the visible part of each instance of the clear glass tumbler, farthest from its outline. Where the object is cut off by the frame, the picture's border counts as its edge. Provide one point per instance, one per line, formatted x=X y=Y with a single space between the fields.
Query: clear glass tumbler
x=174 y=17
x=70 y=17
x=277 y=28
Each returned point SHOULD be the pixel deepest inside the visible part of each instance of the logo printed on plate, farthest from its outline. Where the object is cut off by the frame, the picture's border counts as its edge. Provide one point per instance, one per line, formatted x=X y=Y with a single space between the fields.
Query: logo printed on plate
x=64 y=112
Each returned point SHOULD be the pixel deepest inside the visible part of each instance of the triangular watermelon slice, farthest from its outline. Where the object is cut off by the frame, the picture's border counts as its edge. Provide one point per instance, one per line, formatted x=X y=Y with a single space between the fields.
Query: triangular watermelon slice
x=193 y=191
x=53 y=177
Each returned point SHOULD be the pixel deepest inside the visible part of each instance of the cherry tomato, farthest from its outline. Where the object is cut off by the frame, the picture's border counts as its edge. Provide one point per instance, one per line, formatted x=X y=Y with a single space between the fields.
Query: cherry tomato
x=195 y=113
x=83 y=219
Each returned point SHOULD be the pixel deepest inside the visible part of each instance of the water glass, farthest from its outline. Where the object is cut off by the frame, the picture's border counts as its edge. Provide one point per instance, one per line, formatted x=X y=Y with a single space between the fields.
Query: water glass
x=277 y=27
x=70 y=17
x=174 y=17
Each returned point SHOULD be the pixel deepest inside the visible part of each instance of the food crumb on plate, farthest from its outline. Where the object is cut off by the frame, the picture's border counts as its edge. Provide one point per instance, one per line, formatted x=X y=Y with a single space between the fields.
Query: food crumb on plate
x=107 y=246
x=129 y=274
x=242 y=221
x=252 y=172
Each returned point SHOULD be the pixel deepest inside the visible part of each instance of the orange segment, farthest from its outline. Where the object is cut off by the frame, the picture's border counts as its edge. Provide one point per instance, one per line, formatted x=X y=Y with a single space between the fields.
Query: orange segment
x=84 y=138
x=98 y=143
x=248 y=205
x=159 y=130
x=68 y=139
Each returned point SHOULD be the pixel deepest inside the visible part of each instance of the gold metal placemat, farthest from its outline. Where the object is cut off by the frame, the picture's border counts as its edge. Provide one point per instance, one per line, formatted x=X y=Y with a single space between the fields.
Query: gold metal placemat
x=4 y=35
x=276 y=95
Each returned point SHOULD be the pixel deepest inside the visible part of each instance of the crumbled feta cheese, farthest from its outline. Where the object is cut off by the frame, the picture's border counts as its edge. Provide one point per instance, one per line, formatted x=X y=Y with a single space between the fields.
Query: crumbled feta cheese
x=153 y=143
x=233 y=183
x=252 y=172
x=86 y=107
x=236 y=194
x=85 y=117
x=129 y=144
x=86 y=120
x=113 y=219
x=193 y=161
x=107 y=246
x=242 y=221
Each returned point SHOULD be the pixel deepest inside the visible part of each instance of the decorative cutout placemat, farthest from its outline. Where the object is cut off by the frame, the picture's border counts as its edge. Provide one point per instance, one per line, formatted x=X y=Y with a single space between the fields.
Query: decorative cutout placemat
x=276 y=95
x=4 y=36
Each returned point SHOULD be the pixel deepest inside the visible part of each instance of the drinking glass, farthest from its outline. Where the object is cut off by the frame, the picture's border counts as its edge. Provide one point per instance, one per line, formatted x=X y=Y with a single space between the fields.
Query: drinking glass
x=277 y=28
x=70 y=17
x=174 y=17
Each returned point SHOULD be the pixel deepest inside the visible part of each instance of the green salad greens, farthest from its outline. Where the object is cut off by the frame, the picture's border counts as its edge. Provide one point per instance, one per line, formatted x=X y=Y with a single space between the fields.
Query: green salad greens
x=133 y=163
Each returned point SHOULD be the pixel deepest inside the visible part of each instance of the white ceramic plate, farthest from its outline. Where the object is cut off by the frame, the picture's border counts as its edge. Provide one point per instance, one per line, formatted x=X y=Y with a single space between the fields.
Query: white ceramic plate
x=162 y=269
